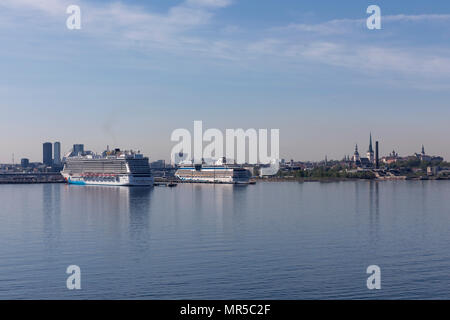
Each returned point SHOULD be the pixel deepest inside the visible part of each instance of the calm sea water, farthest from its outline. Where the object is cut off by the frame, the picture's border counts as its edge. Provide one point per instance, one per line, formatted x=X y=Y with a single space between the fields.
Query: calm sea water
x=265 y=241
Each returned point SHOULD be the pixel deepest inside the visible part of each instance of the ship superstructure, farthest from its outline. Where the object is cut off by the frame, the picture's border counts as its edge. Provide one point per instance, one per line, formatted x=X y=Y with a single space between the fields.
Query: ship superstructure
x=219 y=172
x=118 y=168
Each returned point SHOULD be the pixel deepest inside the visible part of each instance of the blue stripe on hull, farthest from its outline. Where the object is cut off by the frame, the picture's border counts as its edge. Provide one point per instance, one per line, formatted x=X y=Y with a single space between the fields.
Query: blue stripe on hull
x=79 y=183
x=83 y=183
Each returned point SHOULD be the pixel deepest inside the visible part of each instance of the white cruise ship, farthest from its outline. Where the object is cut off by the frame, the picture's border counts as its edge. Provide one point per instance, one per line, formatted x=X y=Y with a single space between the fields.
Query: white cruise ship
x=217 y=173
x=115 y=168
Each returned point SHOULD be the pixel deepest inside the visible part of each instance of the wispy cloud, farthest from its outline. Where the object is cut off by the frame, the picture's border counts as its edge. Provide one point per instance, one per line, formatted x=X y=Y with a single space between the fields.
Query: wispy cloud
x=344 y=26
x=209 y=3
x=101 y=17
x=348 y=44
x=419 y=17
x=331 y=27
x=180 y=30
x=361 y=57
x=50 y=7
x=129 y=26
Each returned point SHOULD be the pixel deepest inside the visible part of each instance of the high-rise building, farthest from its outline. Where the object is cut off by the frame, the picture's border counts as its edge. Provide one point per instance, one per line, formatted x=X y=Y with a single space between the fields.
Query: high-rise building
x=160 y=164
x=78 y=149
x=24 y=163
x=57 y=153
x=47 y=153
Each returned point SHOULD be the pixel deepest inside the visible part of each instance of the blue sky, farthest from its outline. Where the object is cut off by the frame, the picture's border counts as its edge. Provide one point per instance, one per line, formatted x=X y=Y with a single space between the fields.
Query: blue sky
x=137 y=70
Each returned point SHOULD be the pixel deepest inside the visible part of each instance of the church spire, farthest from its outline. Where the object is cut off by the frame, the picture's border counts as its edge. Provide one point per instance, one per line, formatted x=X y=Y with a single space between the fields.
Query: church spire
x=356 y=154
x=370 y=143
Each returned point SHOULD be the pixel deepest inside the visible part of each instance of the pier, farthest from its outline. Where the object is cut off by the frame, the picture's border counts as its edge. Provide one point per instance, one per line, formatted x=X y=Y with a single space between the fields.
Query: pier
x=27 y=178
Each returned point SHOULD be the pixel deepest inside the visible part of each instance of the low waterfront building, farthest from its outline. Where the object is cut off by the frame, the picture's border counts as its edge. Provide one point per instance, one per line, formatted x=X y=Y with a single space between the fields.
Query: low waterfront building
x=424 y=157
x=391 y=158
x=159 y=164
x=271 y=170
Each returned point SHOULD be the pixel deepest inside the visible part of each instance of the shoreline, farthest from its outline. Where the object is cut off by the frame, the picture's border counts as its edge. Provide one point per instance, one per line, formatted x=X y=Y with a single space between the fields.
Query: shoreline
x=330 y=179
x=31 y=178
x=253 y=180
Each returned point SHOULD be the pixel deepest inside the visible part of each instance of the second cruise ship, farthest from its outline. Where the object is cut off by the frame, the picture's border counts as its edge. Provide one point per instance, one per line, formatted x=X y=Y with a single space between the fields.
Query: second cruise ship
x=220 y=172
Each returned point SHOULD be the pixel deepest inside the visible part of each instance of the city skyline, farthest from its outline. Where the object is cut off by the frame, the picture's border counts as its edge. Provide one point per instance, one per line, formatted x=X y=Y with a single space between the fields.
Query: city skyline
x=137 y=71
x=54 y=157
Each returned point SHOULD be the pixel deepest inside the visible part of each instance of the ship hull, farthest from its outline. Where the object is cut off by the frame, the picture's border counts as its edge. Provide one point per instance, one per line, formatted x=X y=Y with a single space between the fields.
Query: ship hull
x=122 y=180
x=213 y=181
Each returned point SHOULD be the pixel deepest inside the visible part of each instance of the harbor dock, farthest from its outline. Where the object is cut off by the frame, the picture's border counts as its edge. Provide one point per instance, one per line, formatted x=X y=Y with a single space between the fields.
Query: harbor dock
x=25 y=178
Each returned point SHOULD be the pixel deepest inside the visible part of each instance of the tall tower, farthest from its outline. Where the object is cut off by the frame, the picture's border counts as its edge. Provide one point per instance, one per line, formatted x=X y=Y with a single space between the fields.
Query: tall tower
x=57 y=153
x=47 y=153
x=370 y=153
x=423 y=150
x=377 y=155
x=356 y=155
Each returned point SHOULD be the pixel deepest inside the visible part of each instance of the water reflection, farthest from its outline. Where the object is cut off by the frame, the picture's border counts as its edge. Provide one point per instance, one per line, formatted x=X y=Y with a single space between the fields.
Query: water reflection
x=232 y=205
x=51 y=209
x=139 y=199
x=275 y=240
x=374 y=209
x=112 y=207
x=215 y=205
